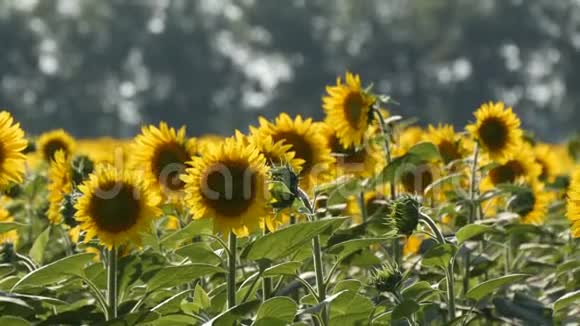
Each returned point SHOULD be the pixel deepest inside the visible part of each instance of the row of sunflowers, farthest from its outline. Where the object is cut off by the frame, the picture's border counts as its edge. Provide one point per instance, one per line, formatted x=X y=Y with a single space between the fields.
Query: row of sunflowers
x=361 y=219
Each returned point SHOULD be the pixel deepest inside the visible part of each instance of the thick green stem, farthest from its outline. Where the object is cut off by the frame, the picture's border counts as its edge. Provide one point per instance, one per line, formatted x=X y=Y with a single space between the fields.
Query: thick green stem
x=266 y=281
x=363 y=207
x=112 y=289
x=318 y=270
x=231 y=281
x=473 y=212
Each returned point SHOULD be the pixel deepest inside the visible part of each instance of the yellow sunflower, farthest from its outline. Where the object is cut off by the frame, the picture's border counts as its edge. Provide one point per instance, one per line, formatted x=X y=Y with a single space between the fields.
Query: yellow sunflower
x=548 y=161
x=412 y=244
x=449 y=143
x=308 y=144
x=375 y=203
x=50 y=142
x=115 y=206
x=517 y=166
x=104 y=150
x=228 y=183
x=531 y=205
x=162 y=152
x=573 y=205
x=59 y=184
x=12 y=144
x=9 y=236
x=276 y=153
x=347 y=108
x=406 y=139
x=497 y=130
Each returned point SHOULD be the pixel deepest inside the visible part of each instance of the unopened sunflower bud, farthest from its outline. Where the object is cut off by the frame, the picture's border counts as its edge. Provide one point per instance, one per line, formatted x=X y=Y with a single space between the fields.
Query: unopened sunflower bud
x=68 y=210
x=404 y=213
x=81 y=167
x=284 y=187
x=388 y=279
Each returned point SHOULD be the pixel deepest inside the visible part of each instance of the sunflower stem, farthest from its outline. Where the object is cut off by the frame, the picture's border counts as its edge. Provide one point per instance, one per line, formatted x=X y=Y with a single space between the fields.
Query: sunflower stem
x=266 y=281
x=472 y=213
x=231 y=280
x=112 y=290
x=362 y=206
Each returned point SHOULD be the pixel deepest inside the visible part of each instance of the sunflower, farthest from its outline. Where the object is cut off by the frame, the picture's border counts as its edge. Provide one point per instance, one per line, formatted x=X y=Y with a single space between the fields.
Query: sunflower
x=449 y=143
x=407 y=138
x=573 y=205
x=8 y=236
x=59 y=184
x=531 y=204
x=115 y=206
x=497 y=130
x=12 y=144
x=416 y=178
x=104 y=150
x=308 y=144
x=162 y=153
x=548 y=161
x=228 y=183
x=375 y=203
x=412 y=244
x=50 y=142
x=347 y=108
x=275 y=153
x=517 y=166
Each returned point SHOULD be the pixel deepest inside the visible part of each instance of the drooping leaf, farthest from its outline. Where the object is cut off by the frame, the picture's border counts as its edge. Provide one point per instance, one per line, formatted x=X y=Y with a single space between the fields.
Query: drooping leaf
x=287 y=268
x=230 y=316
x=199 y=252
x=193 y=229
x=439 y=255
x=566 y=300
x=277 y=311
x=38 y=247
x=418 y=291
x=481 y=290
x=471 y=231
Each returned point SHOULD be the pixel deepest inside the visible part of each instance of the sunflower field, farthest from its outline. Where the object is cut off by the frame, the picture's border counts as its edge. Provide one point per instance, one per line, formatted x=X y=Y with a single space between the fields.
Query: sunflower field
x=363 y=218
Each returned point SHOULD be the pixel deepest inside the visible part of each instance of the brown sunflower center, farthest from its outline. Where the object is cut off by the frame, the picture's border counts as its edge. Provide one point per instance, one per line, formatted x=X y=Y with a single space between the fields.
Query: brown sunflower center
x=523 y=203
x=493 y=133
x=301 y=148
x=52 y=146
x=230 y=188
x=543 y=165
x=449 y=151
x=115 y=207
x=506 y=173
x=416 y=180
x=353 y=107
x=168 y=164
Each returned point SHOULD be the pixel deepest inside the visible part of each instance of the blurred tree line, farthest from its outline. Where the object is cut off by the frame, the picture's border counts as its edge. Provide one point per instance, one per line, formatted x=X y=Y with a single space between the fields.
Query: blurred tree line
x=104 y=67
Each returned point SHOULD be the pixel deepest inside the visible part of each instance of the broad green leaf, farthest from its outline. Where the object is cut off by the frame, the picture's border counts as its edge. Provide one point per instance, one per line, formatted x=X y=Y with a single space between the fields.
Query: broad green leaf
x=471 y=231
x=350 y=308
x=278 y=311
x=405 y=309
x=419 y=153
x=171 y=304
x=439 y=255
x=13 y=321
x=425 y=151
x=193 y=229
x=566 y=300
x=351 y=285
x=452 y=178
x=38 y=247
x=344 y=191
x=9 y=226
x=199 y=252
x=230 y=316
x=287 y=268
x=200 y=298
x=175 y=320
x=135 y=318
x=487 y=287
x=57 y=271
x=418 y=291
x=177 y=275
x=344 y=249
x=285 y=241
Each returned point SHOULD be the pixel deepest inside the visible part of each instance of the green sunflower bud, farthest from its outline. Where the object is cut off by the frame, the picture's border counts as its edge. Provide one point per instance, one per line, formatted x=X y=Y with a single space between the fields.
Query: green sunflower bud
x=388 y=279
x=68 y=210
x=284 y=186
x=81 y=167
x=404 y=213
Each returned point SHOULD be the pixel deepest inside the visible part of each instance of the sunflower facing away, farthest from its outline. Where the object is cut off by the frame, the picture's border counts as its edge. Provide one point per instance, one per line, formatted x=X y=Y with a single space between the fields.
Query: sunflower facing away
x=12 y=143
x=531 y=204
x=115 y=206
x=308 y=144
x=162 y=152
x=228 y=184
x=50 y=142
x=347 y=108
x=449 y=143
x=573 y=206
x=497 y=129
x=59 y=184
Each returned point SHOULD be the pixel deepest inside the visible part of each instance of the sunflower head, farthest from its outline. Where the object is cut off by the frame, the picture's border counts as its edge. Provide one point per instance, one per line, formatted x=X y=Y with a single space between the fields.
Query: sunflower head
x=573 y=204
x=59 y=185
x=275 y=153
x=347 y=108
x=404 y=212
x=450 y=144
x=497 y=130
x=50 y=142
x=518 y=166
x=531 y=204
x=549 y=162
x=162 y=153
x=307 y=142
x=9 y=238
x=115 y=206
x=416 y=178
x=388 y=279
x=12 y=145
x=228 y=184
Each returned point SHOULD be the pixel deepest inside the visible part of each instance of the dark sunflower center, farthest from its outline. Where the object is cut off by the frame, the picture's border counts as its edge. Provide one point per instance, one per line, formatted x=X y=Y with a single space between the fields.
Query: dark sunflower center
x=353 y=108
x=52 y=146
x=415 y=181
x=168 y=164
x=449 y=151
x=506 y=173
x=116 y=207
x=230 y=188
x=523 y=203
x=544 y=167
x=493 y=133
x=2 y=154
x=300 y=147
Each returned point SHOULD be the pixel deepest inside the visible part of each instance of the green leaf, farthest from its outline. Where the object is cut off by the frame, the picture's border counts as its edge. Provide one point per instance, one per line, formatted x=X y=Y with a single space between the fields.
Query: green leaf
x=350 y=308
x=176 y=275
x=405 y=309
x=419 y=153
x=54 y=272
x=9 y=226
x=230 y=316
x=439 y=255
x=200 y=298
x=487 y=287
x=285 y=241
x=566 y=300
x=278 y=311
x=171 y=304
x=13 y=321
x=288 y=268
x=343 y=192
x=471 y=231
x=38 y=248
x=344 y=249
x=418 y=291
x=351 y=285
x=199 y=252
x=193 y=229
x=425 y=151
